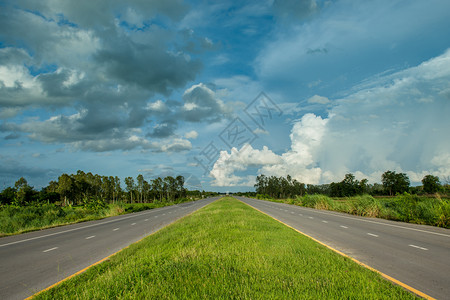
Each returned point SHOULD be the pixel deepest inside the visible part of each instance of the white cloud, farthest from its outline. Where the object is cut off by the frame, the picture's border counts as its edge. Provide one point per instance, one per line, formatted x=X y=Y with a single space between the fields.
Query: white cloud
x=318 y=99
x=260 y=131
x=239 y=160
x=158 y=106
x=191 y=134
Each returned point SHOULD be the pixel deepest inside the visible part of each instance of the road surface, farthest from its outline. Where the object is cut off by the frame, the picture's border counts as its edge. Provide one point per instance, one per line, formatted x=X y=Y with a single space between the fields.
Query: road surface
x=33 y=261
x=416 y=255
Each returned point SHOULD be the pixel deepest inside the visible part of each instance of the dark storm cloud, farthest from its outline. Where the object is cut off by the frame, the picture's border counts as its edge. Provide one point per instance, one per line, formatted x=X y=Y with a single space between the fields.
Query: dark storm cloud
x=163 y=130
x=104 y=60
x=201 y=104
x=147 y=65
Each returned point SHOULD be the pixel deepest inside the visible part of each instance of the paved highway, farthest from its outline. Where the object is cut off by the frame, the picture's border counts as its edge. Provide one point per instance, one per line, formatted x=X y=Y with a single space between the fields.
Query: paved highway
x=416 y=255
x=33 y=261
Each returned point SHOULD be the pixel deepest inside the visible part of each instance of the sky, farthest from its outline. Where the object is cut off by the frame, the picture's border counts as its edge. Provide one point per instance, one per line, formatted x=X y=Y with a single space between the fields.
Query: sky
x=220 y=92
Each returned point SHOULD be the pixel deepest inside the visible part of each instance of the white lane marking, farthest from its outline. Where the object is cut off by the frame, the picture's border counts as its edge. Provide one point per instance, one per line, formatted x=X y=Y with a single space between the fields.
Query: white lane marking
x=344 y=226
x=292 y=212
x=311 y=217
x=90 y=237
x=371 y=234
x=146 y=220
x=115 y=229
x=164 y=214
x=51 y=249
x=325 y=221
x=133 y=224
x=421 y=248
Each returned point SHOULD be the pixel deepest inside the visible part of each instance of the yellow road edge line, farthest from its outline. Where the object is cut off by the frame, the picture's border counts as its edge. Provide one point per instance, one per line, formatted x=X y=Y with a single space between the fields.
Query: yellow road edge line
x=404 y=285
x=109 y=256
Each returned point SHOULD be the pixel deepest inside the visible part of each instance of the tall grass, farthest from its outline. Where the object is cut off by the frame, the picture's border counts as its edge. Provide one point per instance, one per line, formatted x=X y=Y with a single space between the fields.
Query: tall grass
x=227 y=250
x=406 y=208
x=19 y=219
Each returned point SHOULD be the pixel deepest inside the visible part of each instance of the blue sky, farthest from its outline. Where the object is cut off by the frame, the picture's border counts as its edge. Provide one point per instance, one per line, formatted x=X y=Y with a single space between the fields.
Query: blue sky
x=223 y=91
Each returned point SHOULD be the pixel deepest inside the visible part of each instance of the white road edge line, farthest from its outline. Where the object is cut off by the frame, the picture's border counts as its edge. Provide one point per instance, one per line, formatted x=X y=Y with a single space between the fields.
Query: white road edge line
x=343 y=226
x=133 y=224
x=325 y=221
x=88 y=226
x=421 y=248
x=51 y=249
x=371 y=234
x=90 y=237
x=115 y=229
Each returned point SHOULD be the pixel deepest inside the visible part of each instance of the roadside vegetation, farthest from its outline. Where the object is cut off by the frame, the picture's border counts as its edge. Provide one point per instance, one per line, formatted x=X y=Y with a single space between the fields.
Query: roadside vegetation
x=20 y=219
x=83 y=197
x=394 y=199
x=433 y=211
x=227 y=250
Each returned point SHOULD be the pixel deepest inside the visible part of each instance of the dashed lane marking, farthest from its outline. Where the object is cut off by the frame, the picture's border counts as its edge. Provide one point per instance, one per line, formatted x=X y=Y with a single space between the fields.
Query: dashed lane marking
x=51 y=249
x=418 y=247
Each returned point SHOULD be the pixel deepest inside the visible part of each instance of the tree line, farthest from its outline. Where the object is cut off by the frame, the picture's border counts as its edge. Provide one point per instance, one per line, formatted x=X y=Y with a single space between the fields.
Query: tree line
x=80 y=188
x=392 y=183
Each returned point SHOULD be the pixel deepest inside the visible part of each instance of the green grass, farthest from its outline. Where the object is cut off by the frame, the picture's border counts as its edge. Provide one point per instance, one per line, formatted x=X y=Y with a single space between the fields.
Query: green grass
x=227 y=250
x=16 y=220
x=406 y=208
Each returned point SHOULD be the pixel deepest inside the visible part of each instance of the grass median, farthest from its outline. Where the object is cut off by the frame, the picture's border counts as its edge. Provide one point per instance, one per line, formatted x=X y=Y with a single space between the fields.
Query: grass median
x=227 y=250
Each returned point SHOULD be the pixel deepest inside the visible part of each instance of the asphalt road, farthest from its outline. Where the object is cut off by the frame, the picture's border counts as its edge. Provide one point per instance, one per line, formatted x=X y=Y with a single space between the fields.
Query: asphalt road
x=416 y=255
x=33 y=261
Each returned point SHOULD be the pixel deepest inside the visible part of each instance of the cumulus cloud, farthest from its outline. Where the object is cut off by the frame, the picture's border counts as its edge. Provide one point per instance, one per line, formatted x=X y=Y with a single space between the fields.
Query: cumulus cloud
x=381 y=126
x=299 y=162
x=228 y=164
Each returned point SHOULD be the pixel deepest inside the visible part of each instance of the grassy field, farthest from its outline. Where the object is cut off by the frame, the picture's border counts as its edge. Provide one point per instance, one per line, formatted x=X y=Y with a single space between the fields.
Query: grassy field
x=15 y=220
x=406 y=208
x=227 y=250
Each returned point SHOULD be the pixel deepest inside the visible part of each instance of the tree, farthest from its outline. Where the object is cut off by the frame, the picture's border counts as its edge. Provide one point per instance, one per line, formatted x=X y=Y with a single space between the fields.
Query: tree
x=395 y=182
x=431 y=184
x=146 y=190
x=65 y=185
x=180 y=186
x=7 y=196
x=117 y=188
x=129 y=182
x=23 y=191
x=140 y=186
x=157 y=186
